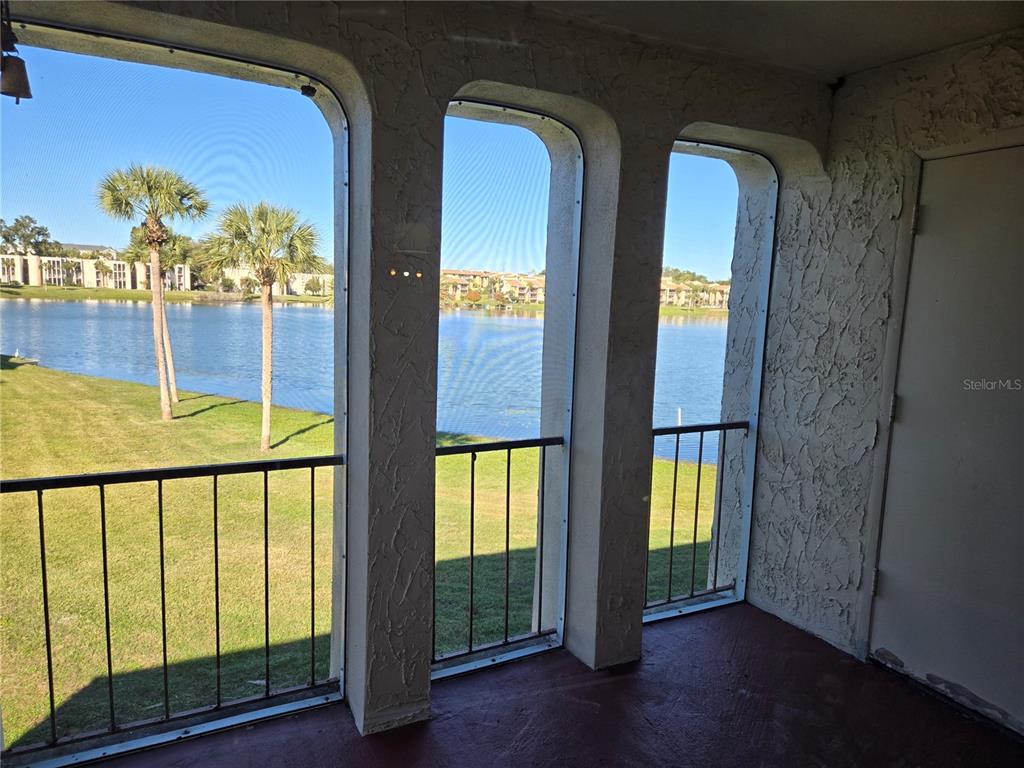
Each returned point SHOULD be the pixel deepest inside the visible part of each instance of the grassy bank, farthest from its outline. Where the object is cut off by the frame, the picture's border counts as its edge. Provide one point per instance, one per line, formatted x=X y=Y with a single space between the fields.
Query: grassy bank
x=55 y=293
x=666 y=311
x=484 y=306
x=74 y=293
x=58 y=423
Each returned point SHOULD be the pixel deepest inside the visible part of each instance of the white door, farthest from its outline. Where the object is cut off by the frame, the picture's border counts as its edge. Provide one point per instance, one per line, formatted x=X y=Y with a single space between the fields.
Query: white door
x=950 y=604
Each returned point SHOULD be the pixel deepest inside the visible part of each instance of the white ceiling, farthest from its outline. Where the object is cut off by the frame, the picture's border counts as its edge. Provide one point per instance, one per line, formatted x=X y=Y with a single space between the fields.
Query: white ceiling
x=822 y=39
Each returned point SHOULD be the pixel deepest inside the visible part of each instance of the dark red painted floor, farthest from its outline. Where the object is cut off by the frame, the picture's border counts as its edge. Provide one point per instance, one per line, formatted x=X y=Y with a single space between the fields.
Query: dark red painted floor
x=730 y=687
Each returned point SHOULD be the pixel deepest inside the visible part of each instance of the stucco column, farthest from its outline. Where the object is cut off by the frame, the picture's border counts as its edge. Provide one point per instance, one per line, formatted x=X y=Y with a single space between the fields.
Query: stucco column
x=614 y=393
x=141 y=282
x=393 y=326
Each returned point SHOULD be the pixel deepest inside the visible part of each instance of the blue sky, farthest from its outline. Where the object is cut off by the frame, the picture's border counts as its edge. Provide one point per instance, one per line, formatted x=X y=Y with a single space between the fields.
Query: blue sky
x=244 y=142
x=238 y=141
x=700 y=216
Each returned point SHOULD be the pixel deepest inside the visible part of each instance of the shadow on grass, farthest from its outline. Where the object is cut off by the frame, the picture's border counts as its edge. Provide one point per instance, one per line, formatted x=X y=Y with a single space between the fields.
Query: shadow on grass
x=200 y=411
x=192 y=683
x=192 y=397
x=302 y=431
x=453 y=604
x=451 y=629
x=10 y=362
x=456 y=438
x=689 y=570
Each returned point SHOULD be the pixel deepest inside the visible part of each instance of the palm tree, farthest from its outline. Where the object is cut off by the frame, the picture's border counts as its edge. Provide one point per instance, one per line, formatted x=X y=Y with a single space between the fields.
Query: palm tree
x=176 y=249
x=274 y=245
x=152 y=195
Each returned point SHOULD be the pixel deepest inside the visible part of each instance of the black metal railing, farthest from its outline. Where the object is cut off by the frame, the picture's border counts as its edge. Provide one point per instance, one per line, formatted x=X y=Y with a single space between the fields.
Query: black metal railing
x=720 y=430
x=534 y=557
x=101 y=481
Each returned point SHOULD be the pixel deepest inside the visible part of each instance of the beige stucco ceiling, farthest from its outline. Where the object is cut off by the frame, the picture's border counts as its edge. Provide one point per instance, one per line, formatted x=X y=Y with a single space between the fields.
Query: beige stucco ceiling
x=822 y=39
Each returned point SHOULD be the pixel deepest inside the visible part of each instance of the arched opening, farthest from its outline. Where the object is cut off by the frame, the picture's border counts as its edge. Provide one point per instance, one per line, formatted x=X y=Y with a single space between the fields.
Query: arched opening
x=714 y=303
x=187 y=579
x=509 y=273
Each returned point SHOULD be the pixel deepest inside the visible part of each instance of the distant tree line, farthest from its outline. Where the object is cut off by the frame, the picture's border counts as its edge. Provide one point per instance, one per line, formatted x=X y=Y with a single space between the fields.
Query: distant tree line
x=25 y=236
x=677 y=275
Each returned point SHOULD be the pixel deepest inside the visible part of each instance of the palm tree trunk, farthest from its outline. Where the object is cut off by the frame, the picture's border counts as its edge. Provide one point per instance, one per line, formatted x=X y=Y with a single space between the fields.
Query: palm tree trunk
x=156 y=289
x=268 y=363
x=172 y=379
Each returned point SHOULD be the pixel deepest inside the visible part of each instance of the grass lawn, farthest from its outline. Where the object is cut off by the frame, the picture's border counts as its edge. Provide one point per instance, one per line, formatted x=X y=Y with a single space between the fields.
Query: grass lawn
x=75 y=293
x=671 y=311
x=57 y=423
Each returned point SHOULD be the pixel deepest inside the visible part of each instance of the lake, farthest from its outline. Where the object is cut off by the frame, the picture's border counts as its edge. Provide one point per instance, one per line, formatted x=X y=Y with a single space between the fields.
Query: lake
x=488 y=364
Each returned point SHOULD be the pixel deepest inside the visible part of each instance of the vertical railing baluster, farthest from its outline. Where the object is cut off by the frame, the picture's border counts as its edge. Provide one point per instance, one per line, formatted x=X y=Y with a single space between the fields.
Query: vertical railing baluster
x=672 y=521
x=696 y=513
x=508 y=518
x=216 y=586
x=106 y=607
x=717 y=522
x=540 y=543
x=46 y=618
x=647 y=554
x=266 y=585
x=433 y=582
x=646 y=569
x=100 y=481
x=472 y=515
x=163 y=593
x=312 y=575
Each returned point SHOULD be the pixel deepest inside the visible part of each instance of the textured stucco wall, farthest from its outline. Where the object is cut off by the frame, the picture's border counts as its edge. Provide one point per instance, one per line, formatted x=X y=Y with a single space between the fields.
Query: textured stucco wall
x=824 y=413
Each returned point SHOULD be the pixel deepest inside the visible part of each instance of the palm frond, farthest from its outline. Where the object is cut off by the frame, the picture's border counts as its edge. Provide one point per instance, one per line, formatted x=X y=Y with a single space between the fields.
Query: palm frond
x=138 y=249
x=179 y=249
x=269 y=240
x=144 y=191
x=217 y=252
x=116 y=195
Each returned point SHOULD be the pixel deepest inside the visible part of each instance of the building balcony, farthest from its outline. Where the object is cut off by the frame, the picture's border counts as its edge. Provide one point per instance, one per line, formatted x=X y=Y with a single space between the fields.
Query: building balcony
x=730 y=687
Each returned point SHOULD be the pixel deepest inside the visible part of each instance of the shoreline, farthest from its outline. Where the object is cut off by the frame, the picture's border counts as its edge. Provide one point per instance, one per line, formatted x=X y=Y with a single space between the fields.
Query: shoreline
x=443 y=439
x=122 y=295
